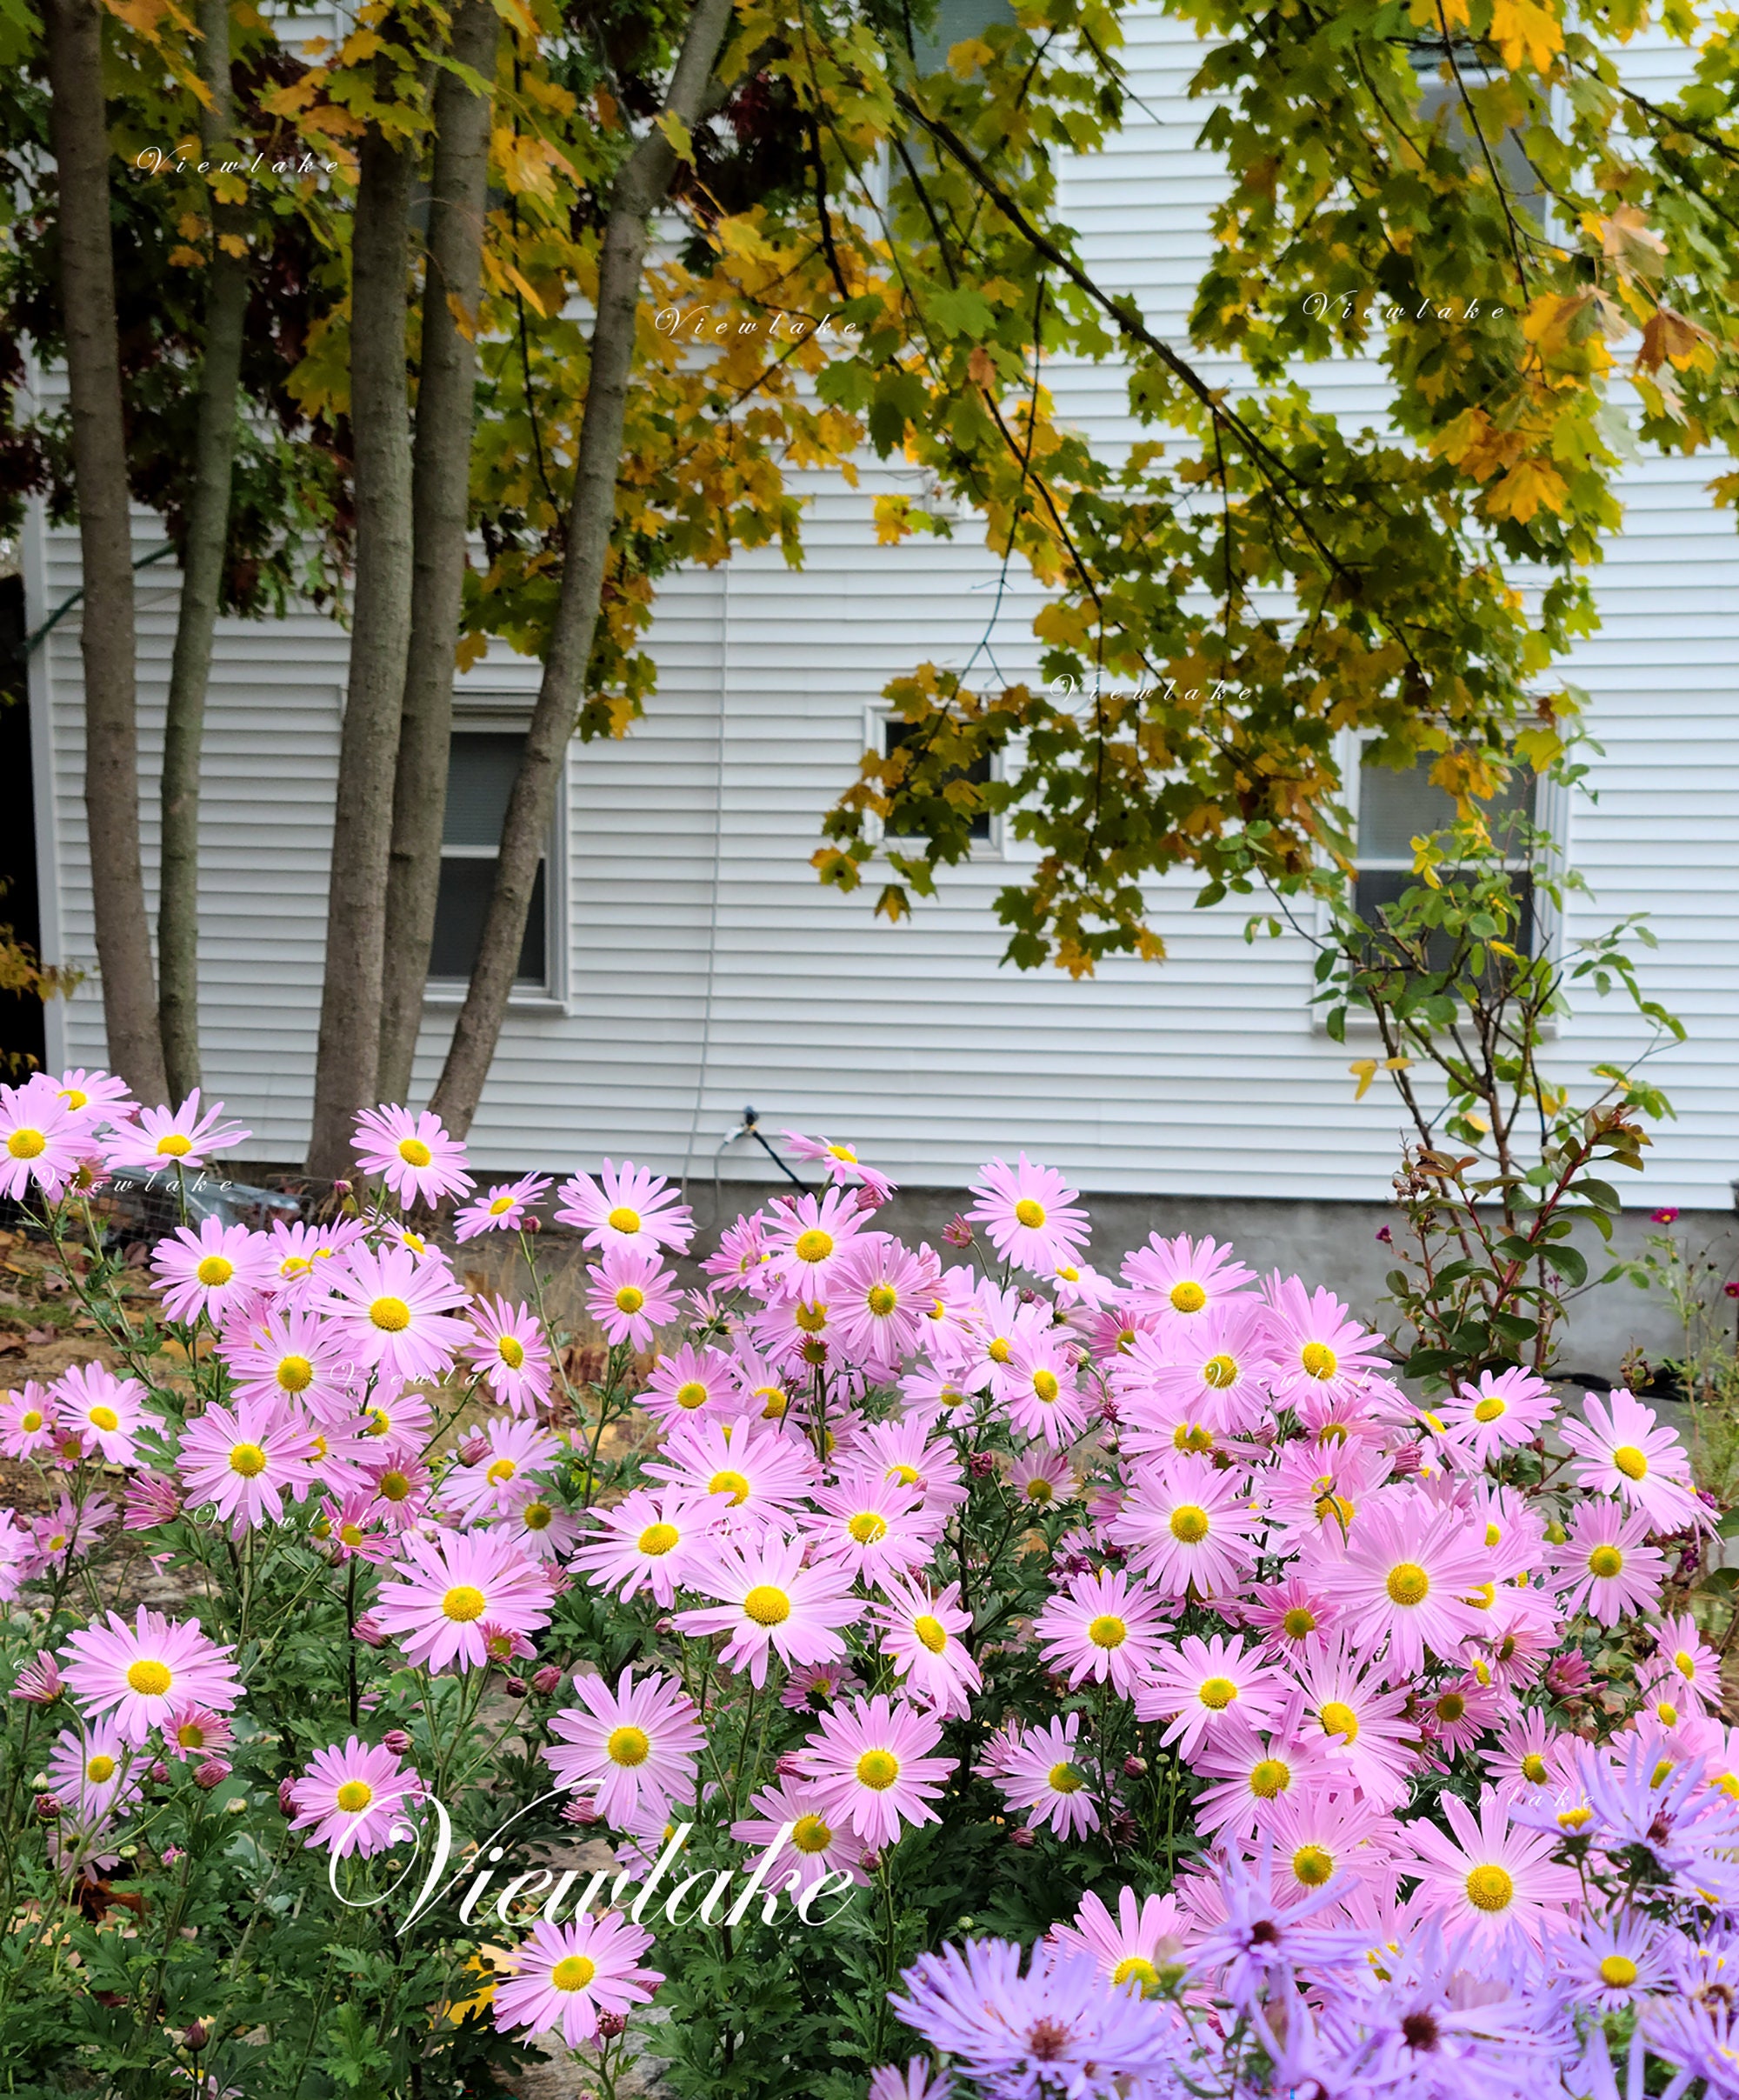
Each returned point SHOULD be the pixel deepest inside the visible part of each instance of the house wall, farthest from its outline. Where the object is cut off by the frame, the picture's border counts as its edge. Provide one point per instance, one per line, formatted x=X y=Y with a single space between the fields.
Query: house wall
x=703 y=967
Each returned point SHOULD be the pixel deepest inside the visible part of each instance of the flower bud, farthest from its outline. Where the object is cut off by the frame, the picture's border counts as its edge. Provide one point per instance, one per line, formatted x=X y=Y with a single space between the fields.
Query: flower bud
x=212 y=1773
x=663 y=1628
x=238 y=1807
x=1135 y=1768
x=173 y=1855
x=611 y=2025
x=531 y=1223
x=397 y=1741
x=48 y=1808
x=871 y=1861
x=474 y=1450
x=957 y=1232
x=789 y=1766
x=516 y=1688
x=1021 y=1838
x=286 y=1796
x=582 y=1812
x=545 y=1680
x=196 y=2038
x=158 y=1771
x=982 y=1465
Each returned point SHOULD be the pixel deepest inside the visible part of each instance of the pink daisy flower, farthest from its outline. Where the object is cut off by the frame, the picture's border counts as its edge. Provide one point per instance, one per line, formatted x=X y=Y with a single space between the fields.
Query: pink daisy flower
x=1624 y=1451
x=1493 y=1884
x=565 y=1975
x=193 y=1730
x=94 y=1775
x=1528 y=1763
x=187 y=1139
x=94 y=1098
x=1362 y=1731
x=817 y=1686
x=397 y=1425
x=1187 y=1525
x=245 y=1459
x=105 y=1413
x=1317 y=1833
x=352 y=1798
x=291 y=1355
x=1498 y=1413
x=1320 y=1351
x=1204 y=1688
x=1405 y=1576
x=1214 y=1369
x=769 y=1600
x=818 y=1841
x=626 y=1211
x=41 y=1143
x=1606 y=1567
x=147 y=1671
x=451 y=1585
x=631 y=1295
x=871 y=1764
x=1042 y=1478
x=807 y=1240
x=27 y=1421
x=1184 y=1276
x=1042 y=1772
x=871 y=1526
x=395 y=1312
x=1459 y=1713
x=842 y=1163
x=686 y=1383
x=768 y=1474
x=502 y=1208
x=921 y=1635
x=73 y=1526
x=219 y=1270
x=514 y=1451
x=1252 y=1773
x=1102 y=1628
x=1685 y=1663
x=635 y=1748
x=1293 y=1617
x=1029 y=1213
x=510 y=1350
x=540 y=1525
x=645 y=1540
x=1132 y=1949
x=414 y=1154
x=1041 y=1391
x=300 y=1255
x=880 y=1295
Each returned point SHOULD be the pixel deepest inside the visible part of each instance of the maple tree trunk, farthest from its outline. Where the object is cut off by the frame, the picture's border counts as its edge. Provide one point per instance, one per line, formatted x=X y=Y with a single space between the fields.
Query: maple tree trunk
x=208 y=535
x=78 y=137
x=347 y=1060
x=640 y=187
x=440 y=492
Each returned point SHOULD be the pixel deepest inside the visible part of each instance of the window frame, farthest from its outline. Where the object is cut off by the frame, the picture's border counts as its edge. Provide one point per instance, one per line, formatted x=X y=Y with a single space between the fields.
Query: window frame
x=878 y=714
x=479 y=713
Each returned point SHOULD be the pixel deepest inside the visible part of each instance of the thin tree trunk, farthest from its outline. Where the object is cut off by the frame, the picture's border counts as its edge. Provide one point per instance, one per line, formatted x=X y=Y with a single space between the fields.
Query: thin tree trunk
x=349 y=1055
x=640 y=187
x=208 y=536
x=439 y=507
x=78 y=136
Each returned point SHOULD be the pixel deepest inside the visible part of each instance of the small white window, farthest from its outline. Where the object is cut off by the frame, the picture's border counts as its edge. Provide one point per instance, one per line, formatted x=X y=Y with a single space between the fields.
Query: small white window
x=482 y=763
x=1442 y=101
x=1396 y=807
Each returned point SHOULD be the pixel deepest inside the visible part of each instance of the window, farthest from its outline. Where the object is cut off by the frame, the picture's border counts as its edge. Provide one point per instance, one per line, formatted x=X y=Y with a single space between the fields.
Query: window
x=1442 y=95
x=897 y=734
x=1394 y=808
x=954 y=22
x=481 y=766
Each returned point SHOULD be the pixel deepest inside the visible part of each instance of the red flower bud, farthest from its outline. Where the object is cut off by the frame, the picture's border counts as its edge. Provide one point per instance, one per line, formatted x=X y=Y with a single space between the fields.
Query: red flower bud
x=1021 y=1838
x=545 y=1680
x=397 y=1741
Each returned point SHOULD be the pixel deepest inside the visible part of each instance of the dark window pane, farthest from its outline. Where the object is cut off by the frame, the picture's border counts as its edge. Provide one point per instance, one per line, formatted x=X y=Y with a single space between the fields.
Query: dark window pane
x=1396 y=808
x=461 y=905
x=481 y=768
x=1507 y=149
x=954 y=22
x=896 y=735
x=1380 y=886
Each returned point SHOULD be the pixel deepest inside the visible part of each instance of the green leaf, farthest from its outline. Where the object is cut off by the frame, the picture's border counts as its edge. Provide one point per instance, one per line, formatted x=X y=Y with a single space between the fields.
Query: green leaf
x=1569 y=1263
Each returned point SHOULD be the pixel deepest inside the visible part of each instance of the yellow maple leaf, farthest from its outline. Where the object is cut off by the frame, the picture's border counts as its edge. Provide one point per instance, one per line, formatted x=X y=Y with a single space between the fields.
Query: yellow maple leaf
x=1364 y=1070
x=1527 y=484
x=968 y=56
x=1526 y=33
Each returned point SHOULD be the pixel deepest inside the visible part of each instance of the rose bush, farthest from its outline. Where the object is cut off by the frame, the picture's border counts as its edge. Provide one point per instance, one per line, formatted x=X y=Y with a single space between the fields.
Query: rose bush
x=1089 y=1685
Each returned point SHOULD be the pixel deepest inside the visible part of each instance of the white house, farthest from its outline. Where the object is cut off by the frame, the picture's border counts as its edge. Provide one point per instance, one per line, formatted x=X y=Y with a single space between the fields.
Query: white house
x=689 y=962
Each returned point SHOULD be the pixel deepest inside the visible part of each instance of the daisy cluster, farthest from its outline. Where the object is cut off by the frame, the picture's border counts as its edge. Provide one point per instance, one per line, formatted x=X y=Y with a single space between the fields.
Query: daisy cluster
x=1385 y=1726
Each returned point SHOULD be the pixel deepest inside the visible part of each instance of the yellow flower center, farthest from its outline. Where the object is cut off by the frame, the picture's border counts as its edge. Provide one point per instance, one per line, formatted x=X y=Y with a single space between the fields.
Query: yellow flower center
x=622 y=1219
x=1451 y=1707
x=247 y=1459
x=511 y=1350
x=1619 y=1970
x=537 y=1517
x=931 y=1632
x=393 y=1486
x=100 y=1770
x=773 y=1402
x=1490 y=1408
x=1685 y=1663
x=690 y=1395
x=1407 y=1585
x=1605 y=1562
x=1269 y=1777
x=1319 y=1360
x=628 y=1746
x=810 y=1835
x=1045 y=1385
x=629 y=1297
x=656 y=1540
x=1191 y=1436
x=355 y=1796
x=867 y=1527
x=1312 y=1866
x=463 y=1603
x=729 y=1484
x=1573 y=1819
x=214 y=1269
x=1029 y=1213
x=1187 y=1297
x=1038 y=1489
x=766 y=1606
x=1108 y=1630
x=1298 y=1621
x=391 y=1315
x=573 y=1972
x=811 y=1318
x=75 y=1097
x=1189 y=1523
x=173 y=1145
x=351 y=1534
x=102 y=1417
x=843 y=1153
x=1490 y=1889
x=1065 y=1779
x=1339 y=1719
x=877 y=1770
x=1137 y=1969
x=190 y=1736
x=294 y=1374
x=148 y=1678
x=908 y=1475
x=500 y=1206
x=1217 y=1693
x=1660 y=1772
x=504 y=1469
x=31 y=1420
x=1482 y=1598
x=1493 y=1535
x=1667 y=1713
x=1534 y=1768
x=882 y=1299
x=414 y=1152
x=1630 y=1462
x=815 y=1245
x=1219 y=1372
